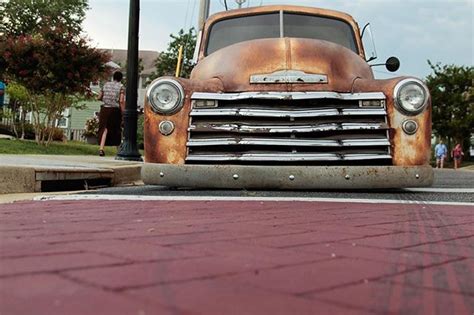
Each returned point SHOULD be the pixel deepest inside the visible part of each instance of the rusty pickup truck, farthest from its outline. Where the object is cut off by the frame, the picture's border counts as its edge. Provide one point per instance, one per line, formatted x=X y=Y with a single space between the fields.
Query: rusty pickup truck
x=283 y=97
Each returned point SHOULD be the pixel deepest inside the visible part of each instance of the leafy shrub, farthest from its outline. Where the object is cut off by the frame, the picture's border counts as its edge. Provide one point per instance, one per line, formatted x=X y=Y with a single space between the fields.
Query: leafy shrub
x=29 y=131
x=6 y=130
x=91 y=128
x=140 y=130
x=57 y=134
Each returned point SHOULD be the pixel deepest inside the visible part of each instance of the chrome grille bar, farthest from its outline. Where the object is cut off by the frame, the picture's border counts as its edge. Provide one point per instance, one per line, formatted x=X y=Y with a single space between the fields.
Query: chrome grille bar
x=288 y=127
x=288 y=142
x=247 y=128
x=288 y=96
x=287 y=157
x=325 y=112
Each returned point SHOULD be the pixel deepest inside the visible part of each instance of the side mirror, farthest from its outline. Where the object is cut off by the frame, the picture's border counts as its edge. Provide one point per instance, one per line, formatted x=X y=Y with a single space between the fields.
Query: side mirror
x=392 y=64
x=369 y=42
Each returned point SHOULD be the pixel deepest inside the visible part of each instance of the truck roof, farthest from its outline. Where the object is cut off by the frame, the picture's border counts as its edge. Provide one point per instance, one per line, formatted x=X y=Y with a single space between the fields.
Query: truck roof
x=286 y=8
x=276 y=8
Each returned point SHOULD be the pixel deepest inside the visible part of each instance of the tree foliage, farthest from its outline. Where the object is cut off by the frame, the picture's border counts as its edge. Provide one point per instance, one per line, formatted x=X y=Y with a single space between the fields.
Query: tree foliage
x=21 y=17
x=54 y=65
x=53 y=61
x=19 y=98
x=43 y=51
x=166 y=63
x=452 y=92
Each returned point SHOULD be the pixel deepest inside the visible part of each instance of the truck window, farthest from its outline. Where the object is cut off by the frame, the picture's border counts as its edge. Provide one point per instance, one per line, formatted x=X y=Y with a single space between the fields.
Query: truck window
x=227 y=32
x=231 y=31
x=317 y=27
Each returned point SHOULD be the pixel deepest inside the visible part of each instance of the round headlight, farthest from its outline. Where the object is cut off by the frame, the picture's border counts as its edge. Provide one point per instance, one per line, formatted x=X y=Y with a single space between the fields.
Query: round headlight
x=166 y=96
x=411 y=96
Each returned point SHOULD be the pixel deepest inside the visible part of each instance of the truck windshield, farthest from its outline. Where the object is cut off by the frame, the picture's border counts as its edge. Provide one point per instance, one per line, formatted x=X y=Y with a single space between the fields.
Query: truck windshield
x=231 y=31
x=227 y=32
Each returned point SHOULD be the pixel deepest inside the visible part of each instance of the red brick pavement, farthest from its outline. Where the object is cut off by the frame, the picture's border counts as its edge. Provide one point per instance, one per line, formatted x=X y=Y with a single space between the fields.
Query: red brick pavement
x=235 y=257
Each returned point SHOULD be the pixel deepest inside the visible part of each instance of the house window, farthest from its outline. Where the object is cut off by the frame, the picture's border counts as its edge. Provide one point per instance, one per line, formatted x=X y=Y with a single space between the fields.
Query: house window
x=63 y=122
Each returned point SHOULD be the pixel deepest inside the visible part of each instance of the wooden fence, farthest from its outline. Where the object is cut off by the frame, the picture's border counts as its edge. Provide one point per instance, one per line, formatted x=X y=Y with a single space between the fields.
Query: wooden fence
x=7 y=117
x=74 y=134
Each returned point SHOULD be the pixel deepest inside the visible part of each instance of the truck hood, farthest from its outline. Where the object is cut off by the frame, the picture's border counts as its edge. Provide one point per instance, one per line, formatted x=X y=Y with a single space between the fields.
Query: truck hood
x=283 y=64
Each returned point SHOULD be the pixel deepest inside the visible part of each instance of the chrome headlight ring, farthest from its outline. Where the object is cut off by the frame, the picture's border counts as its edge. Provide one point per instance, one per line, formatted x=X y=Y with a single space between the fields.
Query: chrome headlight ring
x=166 y=96
x=411 y=96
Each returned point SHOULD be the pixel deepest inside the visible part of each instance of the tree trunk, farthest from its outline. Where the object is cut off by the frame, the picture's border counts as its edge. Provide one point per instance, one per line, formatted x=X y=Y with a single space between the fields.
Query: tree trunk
x=14 y=107
x=22 y=124
x=50 y=132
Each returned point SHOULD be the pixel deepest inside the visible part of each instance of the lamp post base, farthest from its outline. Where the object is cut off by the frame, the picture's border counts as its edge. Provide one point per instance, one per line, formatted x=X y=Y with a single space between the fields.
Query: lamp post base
x=128 y=152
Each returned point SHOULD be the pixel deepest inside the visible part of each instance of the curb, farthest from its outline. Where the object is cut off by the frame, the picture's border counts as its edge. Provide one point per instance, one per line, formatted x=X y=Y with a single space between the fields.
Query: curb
x=29 y=179
x=17 y=179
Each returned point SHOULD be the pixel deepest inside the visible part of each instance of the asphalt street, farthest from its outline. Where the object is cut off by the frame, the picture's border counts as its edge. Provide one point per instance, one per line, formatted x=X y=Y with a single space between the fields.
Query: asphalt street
x=449 y=186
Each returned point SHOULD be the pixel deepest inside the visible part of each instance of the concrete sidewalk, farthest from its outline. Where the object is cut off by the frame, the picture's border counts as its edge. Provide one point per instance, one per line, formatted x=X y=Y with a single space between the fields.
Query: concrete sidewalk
x=36 y=173
x=232 y=257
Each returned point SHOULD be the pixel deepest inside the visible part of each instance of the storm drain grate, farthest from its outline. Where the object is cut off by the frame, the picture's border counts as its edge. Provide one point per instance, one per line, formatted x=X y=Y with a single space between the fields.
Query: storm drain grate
x=75 y=184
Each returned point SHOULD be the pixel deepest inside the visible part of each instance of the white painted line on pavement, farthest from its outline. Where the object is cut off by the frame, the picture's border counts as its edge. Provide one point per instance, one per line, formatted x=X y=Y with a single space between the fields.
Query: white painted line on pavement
x=441 y=190
x=217 y=198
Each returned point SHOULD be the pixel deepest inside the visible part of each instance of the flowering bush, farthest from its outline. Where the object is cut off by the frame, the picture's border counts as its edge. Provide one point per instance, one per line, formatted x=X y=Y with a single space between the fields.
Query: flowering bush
x=91 y=128
x=55 y=64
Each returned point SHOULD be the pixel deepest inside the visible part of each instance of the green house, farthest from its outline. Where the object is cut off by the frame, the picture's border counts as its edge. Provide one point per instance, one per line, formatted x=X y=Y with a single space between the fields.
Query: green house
x=73 y=120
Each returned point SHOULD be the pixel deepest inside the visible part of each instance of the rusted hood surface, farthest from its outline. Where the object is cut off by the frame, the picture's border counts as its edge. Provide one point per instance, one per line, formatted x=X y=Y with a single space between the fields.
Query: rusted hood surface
x=235 y=64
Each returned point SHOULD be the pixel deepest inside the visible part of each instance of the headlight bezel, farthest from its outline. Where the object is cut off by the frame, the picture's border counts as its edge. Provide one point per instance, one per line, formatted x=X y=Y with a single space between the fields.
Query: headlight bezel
x=398 y=102
x=155 y=107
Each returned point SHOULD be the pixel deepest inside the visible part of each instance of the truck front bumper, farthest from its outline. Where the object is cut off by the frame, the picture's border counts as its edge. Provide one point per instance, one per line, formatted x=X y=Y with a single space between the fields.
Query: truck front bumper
x=286 y=177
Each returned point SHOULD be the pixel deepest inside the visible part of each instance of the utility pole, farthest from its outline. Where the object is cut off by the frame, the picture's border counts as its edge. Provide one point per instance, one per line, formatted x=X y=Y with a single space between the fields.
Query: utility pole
x=128 y=149
x=204 y=7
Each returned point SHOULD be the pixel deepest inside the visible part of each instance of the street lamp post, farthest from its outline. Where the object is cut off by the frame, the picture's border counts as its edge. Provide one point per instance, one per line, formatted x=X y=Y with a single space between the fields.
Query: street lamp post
x=203 y=13
x=129 y=149
x=240 y=2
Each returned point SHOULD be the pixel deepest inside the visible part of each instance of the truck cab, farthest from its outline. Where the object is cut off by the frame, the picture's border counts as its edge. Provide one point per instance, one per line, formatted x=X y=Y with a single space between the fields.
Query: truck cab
x=282 y=97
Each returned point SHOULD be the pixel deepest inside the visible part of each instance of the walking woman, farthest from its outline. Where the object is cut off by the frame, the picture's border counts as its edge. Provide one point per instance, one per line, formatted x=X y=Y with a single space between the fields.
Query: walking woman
x=457 y=155
x=110 y=116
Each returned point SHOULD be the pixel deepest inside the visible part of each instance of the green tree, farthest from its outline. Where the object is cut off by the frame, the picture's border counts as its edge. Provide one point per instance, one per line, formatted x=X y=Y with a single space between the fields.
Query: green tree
x=19 y=98
x=41 y=48
x=20 y=17
x=166 y=62
x=452 y=99
x=56 y=66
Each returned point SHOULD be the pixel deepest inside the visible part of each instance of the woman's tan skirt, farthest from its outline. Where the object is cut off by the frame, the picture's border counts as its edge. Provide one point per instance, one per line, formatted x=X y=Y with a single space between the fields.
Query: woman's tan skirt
x=110 y=118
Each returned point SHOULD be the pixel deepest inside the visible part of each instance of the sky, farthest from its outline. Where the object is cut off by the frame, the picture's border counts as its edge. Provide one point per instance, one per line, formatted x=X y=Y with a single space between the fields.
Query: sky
x=412 y=30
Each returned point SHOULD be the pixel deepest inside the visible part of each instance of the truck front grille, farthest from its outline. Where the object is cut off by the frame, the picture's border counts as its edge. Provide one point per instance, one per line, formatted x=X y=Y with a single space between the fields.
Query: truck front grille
x=316 y=128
